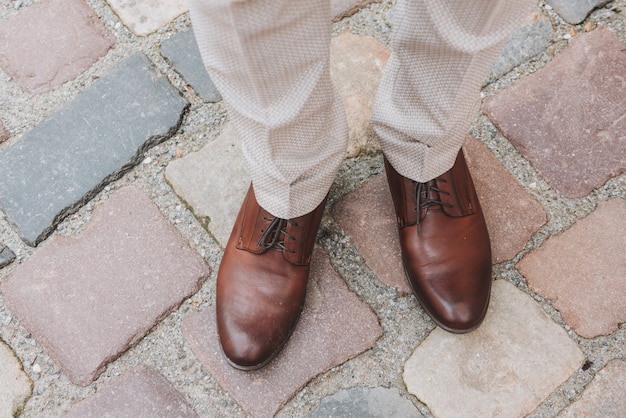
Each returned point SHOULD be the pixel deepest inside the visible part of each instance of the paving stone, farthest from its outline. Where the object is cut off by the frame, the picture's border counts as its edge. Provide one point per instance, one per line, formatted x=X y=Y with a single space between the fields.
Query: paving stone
x=39 y=59
x=361 y=402
x=182 y=52
x=213 y=182
x=87 y=298
x=524 y=43
x=72 y=154
x=139 y=393
x=368 y=217
x=342 y=8
x=604 y=397
x=505 y=368
x=6 y=255
x=356 y=65
x=335 y=326
x=15 y=385
x=568 y=118
x=582 y=271
x=575 y=11
x=146 y=16
x=4 y=134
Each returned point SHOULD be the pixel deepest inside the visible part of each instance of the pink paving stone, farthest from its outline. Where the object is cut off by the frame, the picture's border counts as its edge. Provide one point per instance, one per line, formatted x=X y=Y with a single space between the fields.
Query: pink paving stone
x=569 y=118
x=367 y=216
x=335 y=326
x=138 y=393
x=51 y=42
x=342 y=8
x=582 y=271
x=87 y=298
x=356 y=66
x=146 y=16
x=604 y=397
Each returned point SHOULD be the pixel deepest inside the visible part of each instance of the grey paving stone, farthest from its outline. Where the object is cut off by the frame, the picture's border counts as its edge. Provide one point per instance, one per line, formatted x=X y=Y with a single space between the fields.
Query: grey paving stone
x=71 y=155
x=182 y=52
x=335 y=326
x=524 y=43
x=575 y=11
x=40 y=59
x=604 y=397
x=15 y=385
x=146 y=16
x=87 y=298
x=568 y=119
x=366 y=403
x=582 y=271
x=505 y=368
x=138 y=393
x=213 y=182
x=6 y=255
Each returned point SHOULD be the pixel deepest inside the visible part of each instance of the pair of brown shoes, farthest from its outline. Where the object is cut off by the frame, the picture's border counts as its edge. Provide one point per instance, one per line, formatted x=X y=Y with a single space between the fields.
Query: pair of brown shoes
x=261 y=284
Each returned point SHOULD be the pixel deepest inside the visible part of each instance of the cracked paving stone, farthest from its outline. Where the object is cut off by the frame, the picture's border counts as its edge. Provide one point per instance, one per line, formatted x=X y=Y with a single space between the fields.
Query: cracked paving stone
x=568 y=119
x=505 y=368
x=335 y=326
x=146 y=16
x=182 y=52
x=40 y=59
x=581 y=271
x=6 y=255
x=138 y=393
x=75 y=152
x=87 y=298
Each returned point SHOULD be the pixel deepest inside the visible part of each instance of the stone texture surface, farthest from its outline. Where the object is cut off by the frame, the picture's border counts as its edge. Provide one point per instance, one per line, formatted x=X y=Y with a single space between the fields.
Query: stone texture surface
x=524 y=43
x=182 y=52
x=367 y=216
x=604 y=397
x=6 y=255
x=569 y=118
x=42 y=59
x=356 y=65
x=366 y=403
x=4 y=134
x=582 y=271
x=214 y=198
x=138 y=393
x=342 y=8
x=575 y=11
x=146 y=16
x=87 y=298
x=335 y=326
x=15 y=386
x=94 y=139
x=505 y=368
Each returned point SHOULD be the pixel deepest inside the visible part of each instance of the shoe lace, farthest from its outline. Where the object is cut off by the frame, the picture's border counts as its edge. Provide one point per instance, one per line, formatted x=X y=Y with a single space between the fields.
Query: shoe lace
x=429 y=194
x=271 y=236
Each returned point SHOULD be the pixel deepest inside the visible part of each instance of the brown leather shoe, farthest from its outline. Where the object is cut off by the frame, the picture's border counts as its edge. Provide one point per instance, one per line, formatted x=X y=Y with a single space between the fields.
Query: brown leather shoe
x=262 y=281
x=445 y=245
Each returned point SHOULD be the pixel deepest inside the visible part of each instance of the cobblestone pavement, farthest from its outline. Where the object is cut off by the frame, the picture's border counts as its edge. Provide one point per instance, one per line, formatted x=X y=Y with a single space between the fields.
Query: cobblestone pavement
x=120 y=178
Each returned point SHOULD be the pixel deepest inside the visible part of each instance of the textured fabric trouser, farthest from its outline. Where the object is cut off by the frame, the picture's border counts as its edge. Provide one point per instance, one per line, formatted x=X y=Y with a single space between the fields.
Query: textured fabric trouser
x=270 y=61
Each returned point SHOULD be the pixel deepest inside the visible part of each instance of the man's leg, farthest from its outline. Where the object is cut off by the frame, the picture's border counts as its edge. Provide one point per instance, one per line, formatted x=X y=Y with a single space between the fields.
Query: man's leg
x=427 y=98
x=270 y=61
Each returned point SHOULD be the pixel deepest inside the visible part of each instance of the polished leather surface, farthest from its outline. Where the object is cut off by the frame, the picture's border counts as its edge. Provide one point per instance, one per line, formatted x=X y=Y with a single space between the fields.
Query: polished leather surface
x=262 y=281
x=445 y=245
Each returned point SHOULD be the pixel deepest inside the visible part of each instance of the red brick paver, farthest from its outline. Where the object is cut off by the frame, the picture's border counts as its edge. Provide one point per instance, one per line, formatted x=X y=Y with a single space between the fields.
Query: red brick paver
x=51 y=42
x=569 y=118
x=139 y=393
x=335 y=326
x=582 y=271
x=87 y=298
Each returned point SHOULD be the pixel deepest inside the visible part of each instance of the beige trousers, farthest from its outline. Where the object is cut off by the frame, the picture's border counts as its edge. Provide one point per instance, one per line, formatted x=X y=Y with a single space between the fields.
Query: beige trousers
x=270 y=61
